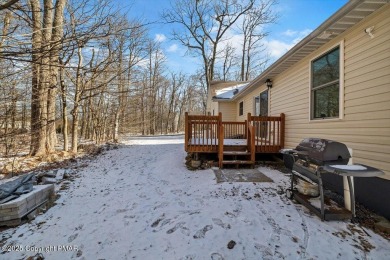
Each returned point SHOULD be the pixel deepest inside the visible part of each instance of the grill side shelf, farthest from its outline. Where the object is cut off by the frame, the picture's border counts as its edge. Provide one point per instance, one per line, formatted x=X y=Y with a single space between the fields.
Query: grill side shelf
x=355 y=170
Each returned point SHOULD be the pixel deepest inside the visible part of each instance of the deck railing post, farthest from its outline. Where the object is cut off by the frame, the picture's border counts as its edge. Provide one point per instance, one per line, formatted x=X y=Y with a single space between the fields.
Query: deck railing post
x=186 y=133
x=246 y=129
x=253 y=147
x=219 y=122
x=282 y=129
x=220 y=146
x=248 y=123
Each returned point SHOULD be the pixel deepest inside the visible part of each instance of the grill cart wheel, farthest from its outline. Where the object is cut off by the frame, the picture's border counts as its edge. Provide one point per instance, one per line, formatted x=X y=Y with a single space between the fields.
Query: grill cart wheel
x=289 y=194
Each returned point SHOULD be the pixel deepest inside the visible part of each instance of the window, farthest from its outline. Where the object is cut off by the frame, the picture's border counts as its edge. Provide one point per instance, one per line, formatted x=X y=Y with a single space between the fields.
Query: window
x=261 y=104
x=241 y=112
x=325 y=85
x=264 y=103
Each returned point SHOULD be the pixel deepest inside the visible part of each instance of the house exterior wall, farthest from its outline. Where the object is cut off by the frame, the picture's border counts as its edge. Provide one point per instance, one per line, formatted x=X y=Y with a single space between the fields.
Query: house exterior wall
x=213 y=108
x=249 y=102
x=365 y=123
x=228 y=110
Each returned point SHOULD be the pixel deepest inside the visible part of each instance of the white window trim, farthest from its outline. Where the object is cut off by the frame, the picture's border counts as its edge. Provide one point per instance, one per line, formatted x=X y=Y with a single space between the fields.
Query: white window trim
x=341 y=84
x=254 y=104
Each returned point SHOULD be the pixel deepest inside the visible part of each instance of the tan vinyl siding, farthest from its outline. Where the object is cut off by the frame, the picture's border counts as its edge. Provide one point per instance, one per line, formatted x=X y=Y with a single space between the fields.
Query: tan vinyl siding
x=249 y=102
x=228 y=110
x=214 y=108
x=365 y=126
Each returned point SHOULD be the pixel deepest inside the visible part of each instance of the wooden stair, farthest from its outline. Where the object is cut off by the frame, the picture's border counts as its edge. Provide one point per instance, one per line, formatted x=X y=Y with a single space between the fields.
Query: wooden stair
x=237 y=162
x=240 y=157
x=237 y=154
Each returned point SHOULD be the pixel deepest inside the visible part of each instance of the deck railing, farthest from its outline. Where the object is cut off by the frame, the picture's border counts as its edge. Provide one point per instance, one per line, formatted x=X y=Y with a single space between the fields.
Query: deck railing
x=201 y=133
x=264 y=134
x=235 y=130
x=269 y=132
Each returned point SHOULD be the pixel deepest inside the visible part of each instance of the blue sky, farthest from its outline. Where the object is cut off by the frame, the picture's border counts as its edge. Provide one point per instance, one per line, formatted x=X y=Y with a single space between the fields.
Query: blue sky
x=297 y=18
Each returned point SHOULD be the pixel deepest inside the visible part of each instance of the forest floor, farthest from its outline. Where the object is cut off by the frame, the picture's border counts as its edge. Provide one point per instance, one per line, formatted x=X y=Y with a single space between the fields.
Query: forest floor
x=141 y=202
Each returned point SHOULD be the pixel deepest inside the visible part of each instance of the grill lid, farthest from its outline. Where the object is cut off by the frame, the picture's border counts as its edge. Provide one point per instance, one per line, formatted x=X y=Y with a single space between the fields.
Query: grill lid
x=323 y=151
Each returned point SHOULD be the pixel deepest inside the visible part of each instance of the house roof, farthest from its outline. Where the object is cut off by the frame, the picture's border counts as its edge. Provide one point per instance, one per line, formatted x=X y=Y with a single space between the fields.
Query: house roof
x=346 y=17
x=229 y=92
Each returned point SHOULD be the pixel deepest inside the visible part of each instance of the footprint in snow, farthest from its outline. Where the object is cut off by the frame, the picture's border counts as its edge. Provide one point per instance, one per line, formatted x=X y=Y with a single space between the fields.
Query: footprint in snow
x=216 y=256
x=219 y=222
x=161 y=205
x=185 y=231
x=121 y=210
x=72 y=237
x=79 y=227
x=265 y=251
x=159 y=192
x=177 y=191
x=155 y=223
x=78 y=252
x=177 y=226
x=202 y=232
x=188 y=257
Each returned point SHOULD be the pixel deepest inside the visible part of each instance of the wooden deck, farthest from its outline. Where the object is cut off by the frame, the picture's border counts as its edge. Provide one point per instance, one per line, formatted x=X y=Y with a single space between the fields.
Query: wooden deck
x=234 y=142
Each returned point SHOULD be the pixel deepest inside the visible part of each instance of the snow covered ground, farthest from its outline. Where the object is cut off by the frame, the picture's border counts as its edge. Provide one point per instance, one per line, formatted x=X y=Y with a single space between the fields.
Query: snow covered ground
x=140 y=202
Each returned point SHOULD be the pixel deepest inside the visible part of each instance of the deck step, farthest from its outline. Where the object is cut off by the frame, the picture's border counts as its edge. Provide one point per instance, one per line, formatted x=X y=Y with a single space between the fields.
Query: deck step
x=236 y=153
x=237 y=162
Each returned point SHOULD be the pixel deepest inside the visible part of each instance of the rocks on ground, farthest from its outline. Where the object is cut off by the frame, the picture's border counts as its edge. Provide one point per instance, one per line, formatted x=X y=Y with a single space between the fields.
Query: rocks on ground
x=197 y=163
x=231 y=244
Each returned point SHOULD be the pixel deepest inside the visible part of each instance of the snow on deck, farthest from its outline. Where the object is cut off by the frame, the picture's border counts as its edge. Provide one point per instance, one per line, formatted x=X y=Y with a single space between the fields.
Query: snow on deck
x=141 y=202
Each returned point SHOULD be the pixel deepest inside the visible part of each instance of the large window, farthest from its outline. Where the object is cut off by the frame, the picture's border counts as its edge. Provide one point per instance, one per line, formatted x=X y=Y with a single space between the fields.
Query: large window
x=241 y=111
x=325 y=85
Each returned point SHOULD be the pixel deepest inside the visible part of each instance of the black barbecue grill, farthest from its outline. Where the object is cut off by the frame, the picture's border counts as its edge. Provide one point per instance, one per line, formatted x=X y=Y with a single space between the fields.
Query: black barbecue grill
x=311 y=160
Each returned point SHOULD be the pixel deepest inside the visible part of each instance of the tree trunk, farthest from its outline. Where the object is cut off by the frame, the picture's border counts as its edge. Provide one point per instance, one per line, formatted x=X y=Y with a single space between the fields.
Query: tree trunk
x=119 y=109
x=38 y=126
x=242 y=76
x=75 y=111
x=64 y=110
x=75 y=127
x=55 y=35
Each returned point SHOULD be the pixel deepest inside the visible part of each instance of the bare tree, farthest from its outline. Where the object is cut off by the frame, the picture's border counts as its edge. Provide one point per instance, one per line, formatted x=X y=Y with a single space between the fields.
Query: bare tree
x=177 y=82
x=8 y=4
x=98 y=66
x=229 y=60
x=251 y=28
x=131 y=51
x=203 y=23
x=46 y=38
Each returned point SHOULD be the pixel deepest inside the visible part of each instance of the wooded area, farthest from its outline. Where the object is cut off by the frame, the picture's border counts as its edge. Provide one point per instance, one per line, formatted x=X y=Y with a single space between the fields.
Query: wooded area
x=82 y=69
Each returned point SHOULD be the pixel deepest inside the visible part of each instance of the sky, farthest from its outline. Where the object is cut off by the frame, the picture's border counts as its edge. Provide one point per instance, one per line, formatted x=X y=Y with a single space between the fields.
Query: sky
x=297 y=18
